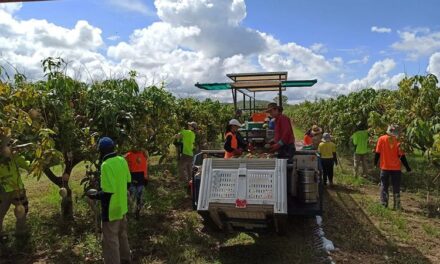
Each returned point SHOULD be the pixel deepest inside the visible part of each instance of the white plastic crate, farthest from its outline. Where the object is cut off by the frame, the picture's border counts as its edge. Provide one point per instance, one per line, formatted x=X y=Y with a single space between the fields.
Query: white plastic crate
x=255 y=181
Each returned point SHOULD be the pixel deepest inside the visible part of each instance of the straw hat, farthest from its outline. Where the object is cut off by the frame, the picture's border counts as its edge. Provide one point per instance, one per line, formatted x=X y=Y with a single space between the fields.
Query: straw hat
x=316 y=130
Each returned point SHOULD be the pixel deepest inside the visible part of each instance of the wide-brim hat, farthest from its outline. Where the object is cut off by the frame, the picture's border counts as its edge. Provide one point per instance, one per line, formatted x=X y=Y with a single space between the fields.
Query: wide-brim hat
x=316 y=129
x=193 y=124
x=326 y=137
x=393 y=130
x=235 y=122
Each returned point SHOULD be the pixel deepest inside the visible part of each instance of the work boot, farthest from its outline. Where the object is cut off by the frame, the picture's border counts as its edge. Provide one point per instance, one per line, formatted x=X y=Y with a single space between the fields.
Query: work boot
x=396 y=197
x=384 y=199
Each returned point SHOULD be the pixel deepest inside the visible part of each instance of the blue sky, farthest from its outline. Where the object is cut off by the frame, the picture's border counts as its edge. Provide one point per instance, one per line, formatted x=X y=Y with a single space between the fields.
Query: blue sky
x=346 y=45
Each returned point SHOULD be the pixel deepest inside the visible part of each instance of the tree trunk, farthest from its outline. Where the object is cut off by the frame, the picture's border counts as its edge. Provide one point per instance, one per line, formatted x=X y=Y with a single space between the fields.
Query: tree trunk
x=66 y=202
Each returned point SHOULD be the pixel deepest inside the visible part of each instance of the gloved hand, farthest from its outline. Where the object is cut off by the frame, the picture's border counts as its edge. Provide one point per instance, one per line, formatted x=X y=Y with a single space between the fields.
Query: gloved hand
x=408 y=169
x=92 y=194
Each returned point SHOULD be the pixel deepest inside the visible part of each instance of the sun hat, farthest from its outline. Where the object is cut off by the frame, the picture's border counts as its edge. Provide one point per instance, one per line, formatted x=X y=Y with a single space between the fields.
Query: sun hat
x=235 y=122
x=393 y=130
x=326 y=137
x=316 y=130
x=193 y=124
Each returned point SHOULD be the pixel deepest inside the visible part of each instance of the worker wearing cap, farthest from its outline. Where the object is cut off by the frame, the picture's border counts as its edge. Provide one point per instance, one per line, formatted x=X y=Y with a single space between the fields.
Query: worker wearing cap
x=233 y=147
x=390 y=155
x=115 y=175
x=284 y=140
x=12 y=189
x=187 y=137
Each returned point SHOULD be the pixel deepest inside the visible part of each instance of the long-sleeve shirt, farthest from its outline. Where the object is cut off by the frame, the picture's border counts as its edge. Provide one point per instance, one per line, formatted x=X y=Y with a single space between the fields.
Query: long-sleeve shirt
x=10 y=179
x=283 y=131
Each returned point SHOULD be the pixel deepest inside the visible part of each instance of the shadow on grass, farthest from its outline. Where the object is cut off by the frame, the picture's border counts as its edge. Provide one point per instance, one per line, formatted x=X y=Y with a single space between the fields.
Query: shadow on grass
x=298 y=245
x=358 y=239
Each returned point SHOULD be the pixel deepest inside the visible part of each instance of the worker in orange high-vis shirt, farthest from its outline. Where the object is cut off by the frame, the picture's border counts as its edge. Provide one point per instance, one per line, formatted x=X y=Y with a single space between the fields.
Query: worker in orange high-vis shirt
x=233 y=147
x=138 y=164
x=390 y=155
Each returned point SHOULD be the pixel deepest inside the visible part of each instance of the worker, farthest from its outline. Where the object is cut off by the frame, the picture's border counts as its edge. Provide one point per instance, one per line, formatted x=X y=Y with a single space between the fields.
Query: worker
x=284 y=139
x=327 y=154
x=115 y=175
x=187 y=137
x=308 y=138
x=232 y=146
x=12 y=191
x=360 y=143
x=316 y=136
x=390 y=155
x=138 y=164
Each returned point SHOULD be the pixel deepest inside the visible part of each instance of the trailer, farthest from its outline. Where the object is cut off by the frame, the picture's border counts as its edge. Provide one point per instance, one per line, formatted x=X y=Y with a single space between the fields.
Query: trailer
x=259 y=192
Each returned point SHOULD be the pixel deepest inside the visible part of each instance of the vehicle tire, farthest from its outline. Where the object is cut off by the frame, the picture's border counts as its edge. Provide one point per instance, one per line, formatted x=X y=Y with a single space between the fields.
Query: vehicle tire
x=208 y=223
x=281 y=224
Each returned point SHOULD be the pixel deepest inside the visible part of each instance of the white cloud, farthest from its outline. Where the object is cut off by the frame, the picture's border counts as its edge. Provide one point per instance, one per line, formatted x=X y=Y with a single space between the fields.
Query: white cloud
x=10 y=7
x=185 y=47
x=418 y=42
x=364 y=60
x=380 y=29
x=113 y=37
x=434 y=64
x=377 y=77
x=133 y=6
x=318 y=48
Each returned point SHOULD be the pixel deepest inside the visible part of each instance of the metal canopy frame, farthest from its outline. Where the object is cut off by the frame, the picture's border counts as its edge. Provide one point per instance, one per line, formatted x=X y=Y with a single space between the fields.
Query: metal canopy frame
x=256 y=82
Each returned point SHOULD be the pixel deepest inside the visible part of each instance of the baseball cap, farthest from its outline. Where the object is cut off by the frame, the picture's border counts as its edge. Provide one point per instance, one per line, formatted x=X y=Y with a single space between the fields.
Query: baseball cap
x=105 y=142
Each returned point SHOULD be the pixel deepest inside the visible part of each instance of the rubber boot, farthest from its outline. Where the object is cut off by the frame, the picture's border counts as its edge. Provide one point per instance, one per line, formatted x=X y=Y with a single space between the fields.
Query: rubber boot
x=396 y=197
x=384 y=199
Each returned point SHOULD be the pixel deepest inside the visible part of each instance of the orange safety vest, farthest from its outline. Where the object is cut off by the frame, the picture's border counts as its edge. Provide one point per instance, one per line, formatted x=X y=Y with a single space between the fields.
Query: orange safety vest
x=137 y=162
x=234 y=145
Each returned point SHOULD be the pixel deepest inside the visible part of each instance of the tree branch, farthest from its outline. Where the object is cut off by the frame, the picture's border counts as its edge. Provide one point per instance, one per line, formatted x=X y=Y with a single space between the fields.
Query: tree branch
x=52 y=177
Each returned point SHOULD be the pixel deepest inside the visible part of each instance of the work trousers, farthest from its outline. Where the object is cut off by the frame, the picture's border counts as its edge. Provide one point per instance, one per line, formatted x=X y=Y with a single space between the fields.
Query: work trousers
x=185 y=167
x=360 y=160
x=327 y=170
x=16 y=198
x=115 y=246
x=385 y=176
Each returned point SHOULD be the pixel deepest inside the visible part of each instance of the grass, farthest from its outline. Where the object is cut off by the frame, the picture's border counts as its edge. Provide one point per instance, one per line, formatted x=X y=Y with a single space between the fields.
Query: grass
x=169 y=231
x=431 y=230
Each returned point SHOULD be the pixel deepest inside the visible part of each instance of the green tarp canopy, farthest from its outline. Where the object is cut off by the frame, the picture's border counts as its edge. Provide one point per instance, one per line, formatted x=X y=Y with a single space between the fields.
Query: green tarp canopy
x=256 y=86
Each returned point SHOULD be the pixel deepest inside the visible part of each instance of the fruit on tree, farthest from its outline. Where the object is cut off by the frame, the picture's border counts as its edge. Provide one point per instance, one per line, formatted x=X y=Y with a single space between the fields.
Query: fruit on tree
x=19 y=211
x=63 y=192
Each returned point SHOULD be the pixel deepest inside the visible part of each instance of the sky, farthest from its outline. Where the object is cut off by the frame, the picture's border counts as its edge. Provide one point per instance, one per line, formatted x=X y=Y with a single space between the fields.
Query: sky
x=346 y=45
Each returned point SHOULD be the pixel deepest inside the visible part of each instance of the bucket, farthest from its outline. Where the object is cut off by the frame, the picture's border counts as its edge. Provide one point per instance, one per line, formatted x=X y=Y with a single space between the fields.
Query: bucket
x=308 y=186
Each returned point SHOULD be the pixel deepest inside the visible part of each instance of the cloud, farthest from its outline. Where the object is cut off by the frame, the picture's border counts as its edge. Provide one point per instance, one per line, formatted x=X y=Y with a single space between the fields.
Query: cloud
x=113 y=37
x=434 y=64
x=133 y=6
x=380 y=29
x=377 y=77
x=364 y=60
x=418 y=42
x=10 y=8
x=220 y=31
x=194 y=41
x=318 y=48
